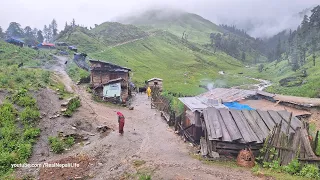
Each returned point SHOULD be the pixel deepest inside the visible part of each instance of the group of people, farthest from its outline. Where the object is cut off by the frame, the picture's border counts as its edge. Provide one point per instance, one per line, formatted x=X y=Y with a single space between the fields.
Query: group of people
x=121 y=118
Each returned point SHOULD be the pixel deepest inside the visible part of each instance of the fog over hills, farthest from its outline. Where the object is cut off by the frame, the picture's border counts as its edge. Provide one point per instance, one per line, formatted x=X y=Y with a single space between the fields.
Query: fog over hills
x=261 y=18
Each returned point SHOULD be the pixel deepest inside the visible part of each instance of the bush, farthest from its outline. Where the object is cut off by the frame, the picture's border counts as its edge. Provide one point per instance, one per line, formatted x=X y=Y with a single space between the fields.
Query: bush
x=29 y=115
x=73 y=105
x=56 y=144
x=69 y=141
x=310 y=171
x=293 y=167
x=31 y=133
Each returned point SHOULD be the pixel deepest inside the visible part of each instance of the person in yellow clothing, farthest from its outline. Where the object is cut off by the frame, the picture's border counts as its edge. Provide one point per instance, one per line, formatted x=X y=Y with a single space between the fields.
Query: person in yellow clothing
x=149 y=92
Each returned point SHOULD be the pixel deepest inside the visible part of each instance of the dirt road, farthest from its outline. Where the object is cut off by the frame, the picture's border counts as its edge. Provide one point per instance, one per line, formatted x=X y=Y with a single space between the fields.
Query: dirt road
x=147 y=138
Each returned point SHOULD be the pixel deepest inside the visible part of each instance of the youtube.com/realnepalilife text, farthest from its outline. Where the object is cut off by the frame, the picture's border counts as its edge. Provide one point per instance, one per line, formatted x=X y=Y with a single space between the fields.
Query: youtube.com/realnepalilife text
x=47 y=165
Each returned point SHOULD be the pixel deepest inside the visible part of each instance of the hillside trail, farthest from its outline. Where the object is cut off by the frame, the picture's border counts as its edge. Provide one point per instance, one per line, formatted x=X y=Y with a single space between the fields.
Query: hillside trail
x=130 y=41
x=147 y=138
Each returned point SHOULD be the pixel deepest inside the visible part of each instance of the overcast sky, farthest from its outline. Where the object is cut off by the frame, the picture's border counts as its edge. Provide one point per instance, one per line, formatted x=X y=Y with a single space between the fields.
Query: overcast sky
x=271 y=15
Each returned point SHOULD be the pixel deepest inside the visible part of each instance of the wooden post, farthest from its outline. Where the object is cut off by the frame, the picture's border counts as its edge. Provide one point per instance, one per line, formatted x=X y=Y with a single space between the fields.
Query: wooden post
x=316 y=142
x=289 y=124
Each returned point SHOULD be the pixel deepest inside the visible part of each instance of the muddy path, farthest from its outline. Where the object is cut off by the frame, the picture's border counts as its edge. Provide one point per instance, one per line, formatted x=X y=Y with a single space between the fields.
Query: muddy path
x=147 y=138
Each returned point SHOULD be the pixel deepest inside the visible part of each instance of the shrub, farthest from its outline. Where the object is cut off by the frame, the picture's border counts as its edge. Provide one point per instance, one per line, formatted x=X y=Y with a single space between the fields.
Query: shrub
x=26 y=101
x=73 y=105
x=29 y=115
x=69 y=141
x=6 y=159
x=24 y=151
x=293 y=167
x=310 y=171
x=31 y=133
x=56 y=144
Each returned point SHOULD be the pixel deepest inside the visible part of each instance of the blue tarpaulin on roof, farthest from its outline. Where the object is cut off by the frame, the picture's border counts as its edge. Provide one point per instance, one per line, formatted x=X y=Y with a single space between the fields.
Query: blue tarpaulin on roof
x=237 y=106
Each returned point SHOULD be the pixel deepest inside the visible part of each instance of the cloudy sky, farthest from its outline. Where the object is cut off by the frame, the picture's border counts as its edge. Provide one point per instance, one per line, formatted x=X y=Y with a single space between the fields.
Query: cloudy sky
x=268 y=16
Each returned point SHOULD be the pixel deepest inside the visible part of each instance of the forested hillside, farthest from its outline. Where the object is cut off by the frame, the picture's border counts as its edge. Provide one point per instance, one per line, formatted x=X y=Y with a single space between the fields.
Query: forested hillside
x=294 y=59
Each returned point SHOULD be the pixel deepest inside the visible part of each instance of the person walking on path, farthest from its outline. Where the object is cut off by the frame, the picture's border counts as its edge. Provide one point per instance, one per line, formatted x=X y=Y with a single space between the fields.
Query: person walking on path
x=121 y=122
x=149 y=92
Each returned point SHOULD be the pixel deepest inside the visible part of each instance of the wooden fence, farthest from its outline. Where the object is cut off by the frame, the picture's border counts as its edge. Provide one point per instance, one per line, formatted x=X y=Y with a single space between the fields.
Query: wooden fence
x=289 y=146
x=163 y=104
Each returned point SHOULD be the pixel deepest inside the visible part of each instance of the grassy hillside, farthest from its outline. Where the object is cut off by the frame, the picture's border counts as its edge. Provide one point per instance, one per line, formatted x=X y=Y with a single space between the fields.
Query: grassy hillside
x=83 y=39
x=112 y=33
x=163 y=55
x=298 y=85
x=19 y=113
x=196 y=27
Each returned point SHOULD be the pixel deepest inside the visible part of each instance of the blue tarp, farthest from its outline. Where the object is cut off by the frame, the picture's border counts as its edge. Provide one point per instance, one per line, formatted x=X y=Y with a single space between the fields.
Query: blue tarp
x=14 y=40
x=237 y=106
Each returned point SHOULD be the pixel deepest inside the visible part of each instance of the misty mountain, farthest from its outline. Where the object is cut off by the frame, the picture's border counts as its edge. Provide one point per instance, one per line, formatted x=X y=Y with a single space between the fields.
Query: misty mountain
x=267 y=27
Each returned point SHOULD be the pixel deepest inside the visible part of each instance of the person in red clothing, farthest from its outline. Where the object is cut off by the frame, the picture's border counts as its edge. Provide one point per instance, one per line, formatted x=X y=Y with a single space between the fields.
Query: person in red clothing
x=121 y=122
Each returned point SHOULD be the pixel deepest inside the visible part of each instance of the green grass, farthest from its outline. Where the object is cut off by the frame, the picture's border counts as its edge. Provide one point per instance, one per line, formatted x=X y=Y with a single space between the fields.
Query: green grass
x=165 y=56
x=111 y=33
x=276 y=72
x=19 y=114
x=76 y=73
x=58 y=144
x=197 y=28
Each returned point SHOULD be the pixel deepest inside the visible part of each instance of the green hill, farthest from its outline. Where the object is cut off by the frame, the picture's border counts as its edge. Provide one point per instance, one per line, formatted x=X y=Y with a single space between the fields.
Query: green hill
x=196 y=27
x=82 y=38
x=112 y=33
x=166 y=56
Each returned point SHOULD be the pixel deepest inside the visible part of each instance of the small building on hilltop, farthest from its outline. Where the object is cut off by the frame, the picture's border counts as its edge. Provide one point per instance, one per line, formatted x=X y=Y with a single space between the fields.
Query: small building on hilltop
x=15 y=41
x=46 y=46
x=61 y=44
x=155 y=82
x=109 y=80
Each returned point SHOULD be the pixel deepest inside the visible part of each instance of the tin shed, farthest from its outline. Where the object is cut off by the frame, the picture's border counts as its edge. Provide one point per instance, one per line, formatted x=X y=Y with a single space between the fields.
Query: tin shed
x=155 y=82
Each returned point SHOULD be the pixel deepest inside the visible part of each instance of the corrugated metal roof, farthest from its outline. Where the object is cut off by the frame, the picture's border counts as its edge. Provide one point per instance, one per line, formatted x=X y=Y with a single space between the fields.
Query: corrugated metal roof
x=104 y=62
x=245 y=126
x=198 y=104
x=227 y=95
x=154 y=79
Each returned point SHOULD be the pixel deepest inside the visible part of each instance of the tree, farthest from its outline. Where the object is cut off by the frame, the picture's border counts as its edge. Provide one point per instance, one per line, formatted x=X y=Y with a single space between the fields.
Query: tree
x=314 y=49
x=243 y=56
x=73 y=23
x=40 y=37
x=50 y=31
x=315 y=17
x=278 y=51
x=46 y=33
x=304 y=27
x=218 y=40
x=212 y=38
x=14 y=30
x=29 y=38
x=1 y=33
x=54 y=26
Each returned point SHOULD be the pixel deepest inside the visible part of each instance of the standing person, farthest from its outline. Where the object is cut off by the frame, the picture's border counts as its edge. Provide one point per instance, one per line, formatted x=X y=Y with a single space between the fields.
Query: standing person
x=149 y=92
x=121 y=122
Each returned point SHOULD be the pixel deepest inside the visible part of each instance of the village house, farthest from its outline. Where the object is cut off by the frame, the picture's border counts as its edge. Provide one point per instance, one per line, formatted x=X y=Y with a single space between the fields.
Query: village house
x=46 y=46
x=110 y=81
x=253 y=113
x=15 y=41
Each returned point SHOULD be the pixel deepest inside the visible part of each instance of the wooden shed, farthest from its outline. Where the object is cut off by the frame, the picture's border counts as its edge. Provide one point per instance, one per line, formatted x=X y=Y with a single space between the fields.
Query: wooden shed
x=155 y=81
x=190 y=121
x=105 y=73
x=229 y=131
